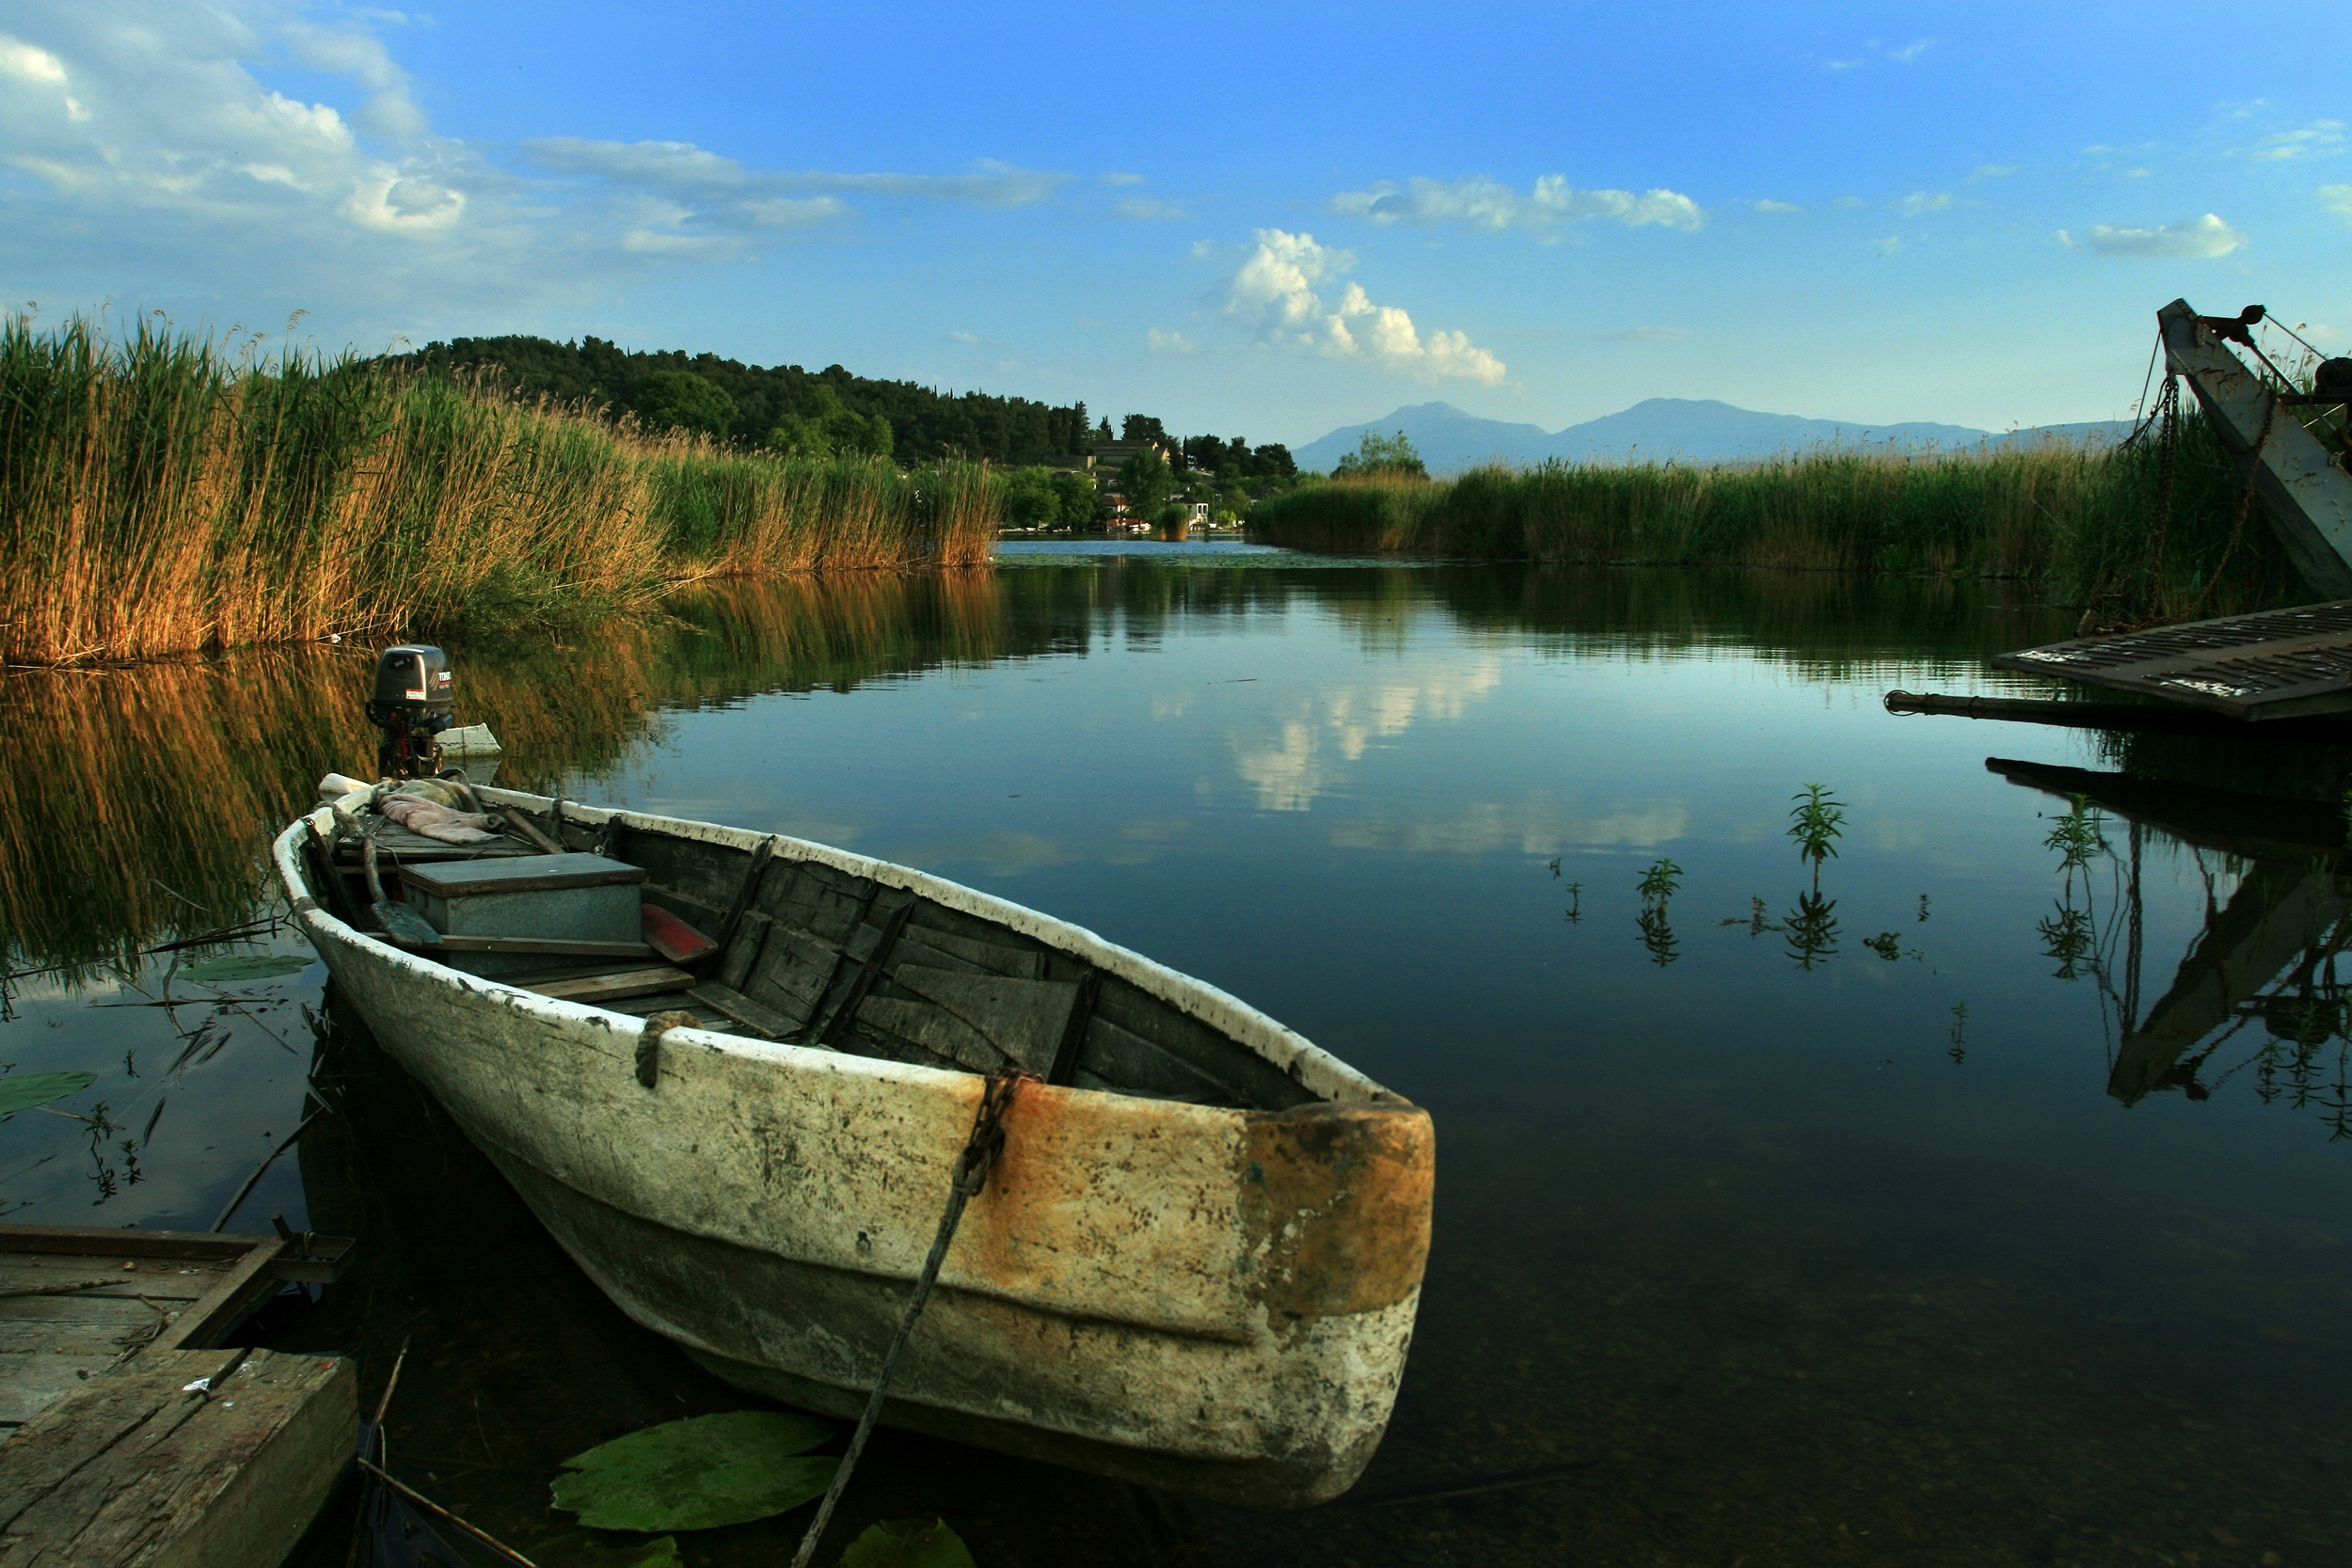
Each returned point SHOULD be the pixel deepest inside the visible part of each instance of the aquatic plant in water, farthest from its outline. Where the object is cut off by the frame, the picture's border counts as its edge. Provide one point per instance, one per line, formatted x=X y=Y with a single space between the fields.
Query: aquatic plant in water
x=1812 y=930
x=698 y=1473
x=2075 y=839
x=1658 y=883
x=2066 y=939
x=908 y=1544
x=1815 y=822
x=1657 y=937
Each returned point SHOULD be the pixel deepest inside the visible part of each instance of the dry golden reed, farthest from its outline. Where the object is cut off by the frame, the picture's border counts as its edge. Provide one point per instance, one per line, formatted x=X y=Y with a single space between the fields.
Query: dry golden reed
x=161 y=496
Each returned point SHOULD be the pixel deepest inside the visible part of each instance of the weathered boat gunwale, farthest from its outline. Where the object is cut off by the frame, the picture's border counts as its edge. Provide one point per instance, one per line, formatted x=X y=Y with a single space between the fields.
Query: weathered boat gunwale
x=1322 y=1075
x=1231 y=1289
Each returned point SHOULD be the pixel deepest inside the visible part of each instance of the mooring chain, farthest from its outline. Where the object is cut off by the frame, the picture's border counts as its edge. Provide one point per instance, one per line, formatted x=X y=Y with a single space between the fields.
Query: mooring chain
x=973 y=1163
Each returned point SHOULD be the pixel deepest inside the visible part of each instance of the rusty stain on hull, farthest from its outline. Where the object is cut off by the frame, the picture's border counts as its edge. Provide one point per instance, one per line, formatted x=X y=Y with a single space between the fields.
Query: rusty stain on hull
x=1335 y=1207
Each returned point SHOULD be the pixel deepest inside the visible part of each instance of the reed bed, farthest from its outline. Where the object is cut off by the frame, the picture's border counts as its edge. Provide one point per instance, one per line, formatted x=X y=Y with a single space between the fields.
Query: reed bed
x=2091 y=526
x=160 y=495
x=142 y=792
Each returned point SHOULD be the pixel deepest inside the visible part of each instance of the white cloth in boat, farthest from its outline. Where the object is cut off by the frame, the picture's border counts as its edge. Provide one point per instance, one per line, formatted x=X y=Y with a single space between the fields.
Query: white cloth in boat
x=421 y=815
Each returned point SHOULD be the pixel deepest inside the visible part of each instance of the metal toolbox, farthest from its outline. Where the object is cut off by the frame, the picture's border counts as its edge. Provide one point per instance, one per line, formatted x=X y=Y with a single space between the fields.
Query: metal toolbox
x=576 y=897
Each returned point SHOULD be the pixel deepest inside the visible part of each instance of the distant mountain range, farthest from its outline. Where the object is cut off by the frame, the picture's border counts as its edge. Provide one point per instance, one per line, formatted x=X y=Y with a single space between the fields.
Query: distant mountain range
x=1684 y=429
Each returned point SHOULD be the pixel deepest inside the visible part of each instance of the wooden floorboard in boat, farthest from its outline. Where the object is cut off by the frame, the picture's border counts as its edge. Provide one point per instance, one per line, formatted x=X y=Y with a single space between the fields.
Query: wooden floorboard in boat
x=1247 y=1077
x=997 y=958
x=953 y=989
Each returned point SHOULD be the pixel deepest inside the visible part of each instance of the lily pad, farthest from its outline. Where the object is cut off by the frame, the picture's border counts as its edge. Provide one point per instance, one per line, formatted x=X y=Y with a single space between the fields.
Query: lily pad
x=908 y=1544
x=247 y=966
x=663 y=1553
x=39 y=1088
x=698 y=1473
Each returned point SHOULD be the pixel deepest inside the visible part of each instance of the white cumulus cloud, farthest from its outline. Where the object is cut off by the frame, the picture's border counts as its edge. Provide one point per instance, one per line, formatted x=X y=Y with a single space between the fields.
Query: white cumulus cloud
x=166 y=135
x=1924 y=201
x=2337 y=200
x=1276 y=289
x=2319 y=139
x=143 y=153
x=27 y=63
x=2199 y=239
x=1767 y=205
x=1168 y=343
x=1488 y=204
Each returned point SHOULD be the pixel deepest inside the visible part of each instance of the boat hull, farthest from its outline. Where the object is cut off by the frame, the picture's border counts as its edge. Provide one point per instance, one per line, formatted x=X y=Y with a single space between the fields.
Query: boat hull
x=1209 y=1300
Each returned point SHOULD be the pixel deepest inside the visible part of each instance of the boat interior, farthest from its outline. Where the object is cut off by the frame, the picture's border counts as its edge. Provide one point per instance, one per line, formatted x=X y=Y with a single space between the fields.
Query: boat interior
x=764 y=943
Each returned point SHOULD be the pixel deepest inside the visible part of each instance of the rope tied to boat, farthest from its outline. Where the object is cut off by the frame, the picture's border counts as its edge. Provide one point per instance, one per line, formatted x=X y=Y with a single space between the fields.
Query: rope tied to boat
x=973 y=1163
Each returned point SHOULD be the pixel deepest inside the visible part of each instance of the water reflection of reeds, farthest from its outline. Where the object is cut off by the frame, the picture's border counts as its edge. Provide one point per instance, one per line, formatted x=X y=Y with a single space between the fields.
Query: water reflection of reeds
x=143 y=795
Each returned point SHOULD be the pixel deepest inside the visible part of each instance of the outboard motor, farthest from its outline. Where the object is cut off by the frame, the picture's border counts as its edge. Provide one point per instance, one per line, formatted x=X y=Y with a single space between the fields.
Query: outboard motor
x=413 y=703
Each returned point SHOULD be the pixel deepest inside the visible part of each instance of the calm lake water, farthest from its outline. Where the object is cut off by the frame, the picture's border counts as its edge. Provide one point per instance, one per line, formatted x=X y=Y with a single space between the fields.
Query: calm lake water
x=1961 y=1205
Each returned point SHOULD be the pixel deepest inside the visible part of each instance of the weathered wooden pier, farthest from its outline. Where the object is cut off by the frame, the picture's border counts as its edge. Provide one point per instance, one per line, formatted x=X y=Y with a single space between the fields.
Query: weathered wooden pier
x=132 y=1434
x=2275 y=668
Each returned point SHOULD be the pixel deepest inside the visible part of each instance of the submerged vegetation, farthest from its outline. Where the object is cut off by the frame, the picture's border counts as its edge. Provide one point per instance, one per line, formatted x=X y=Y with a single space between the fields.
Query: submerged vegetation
x=2093 y=525
x=160 y=495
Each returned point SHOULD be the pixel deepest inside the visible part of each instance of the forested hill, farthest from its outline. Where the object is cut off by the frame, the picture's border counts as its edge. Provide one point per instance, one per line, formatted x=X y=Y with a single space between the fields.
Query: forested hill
x=925 y=425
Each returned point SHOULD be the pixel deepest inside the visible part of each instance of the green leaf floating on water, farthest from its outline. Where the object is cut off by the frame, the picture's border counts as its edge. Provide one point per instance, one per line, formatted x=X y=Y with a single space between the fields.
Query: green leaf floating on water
x=39 y=1088
x=698 y=1473
x=248 y=966
x=658 y=1554
x=908 y=1544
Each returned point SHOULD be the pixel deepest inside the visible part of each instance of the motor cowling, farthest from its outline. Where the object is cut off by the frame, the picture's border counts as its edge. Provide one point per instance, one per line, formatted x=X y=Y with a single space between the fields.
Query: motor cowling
x=413 y=702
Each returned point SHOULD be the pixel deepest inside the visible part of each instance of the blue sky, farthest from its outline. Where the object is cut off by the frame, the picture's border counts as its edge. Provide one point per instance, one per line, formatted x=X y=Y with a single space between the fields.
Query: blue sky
x=1265 y=221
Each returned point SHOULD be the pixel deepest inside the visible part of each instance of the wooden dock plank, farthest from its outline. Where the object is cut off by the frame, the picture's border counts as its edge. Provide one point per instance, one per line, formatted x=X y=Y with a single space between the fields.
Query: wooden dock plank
x=2276 y=664
x=179 y=1457
x=31 y=1383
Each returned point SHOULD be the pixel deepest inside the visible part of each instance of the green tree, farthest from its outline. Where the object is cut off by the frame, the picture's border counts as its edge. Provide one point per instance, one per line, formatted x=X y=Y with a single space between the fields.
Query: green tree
x=1145 y=482
x=1029 y=498
x=824 y=427
x=681 y=400
x=1075 y=494
x=1379 y=456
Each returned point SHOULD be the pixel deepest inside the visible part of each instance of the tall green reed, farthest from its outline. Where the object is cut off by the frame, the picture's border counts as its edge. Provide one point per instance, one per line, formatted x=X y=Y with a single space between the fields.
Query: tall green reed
x=2089 y=524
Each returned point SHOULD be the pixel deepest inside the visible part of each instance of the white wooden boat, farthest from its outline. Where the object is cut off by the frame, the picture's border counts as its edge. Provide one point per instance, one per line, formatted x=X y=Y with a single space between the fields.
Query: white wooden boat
x=1196 y=1263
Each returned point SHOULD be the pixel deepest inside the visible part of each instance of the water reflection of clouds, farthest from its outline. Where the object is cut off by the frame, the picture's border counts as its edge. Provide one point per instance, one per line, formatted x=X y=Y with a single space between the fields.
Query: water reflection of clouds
x=1306 y=753
x=1541 y=823
x=1000 y=854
